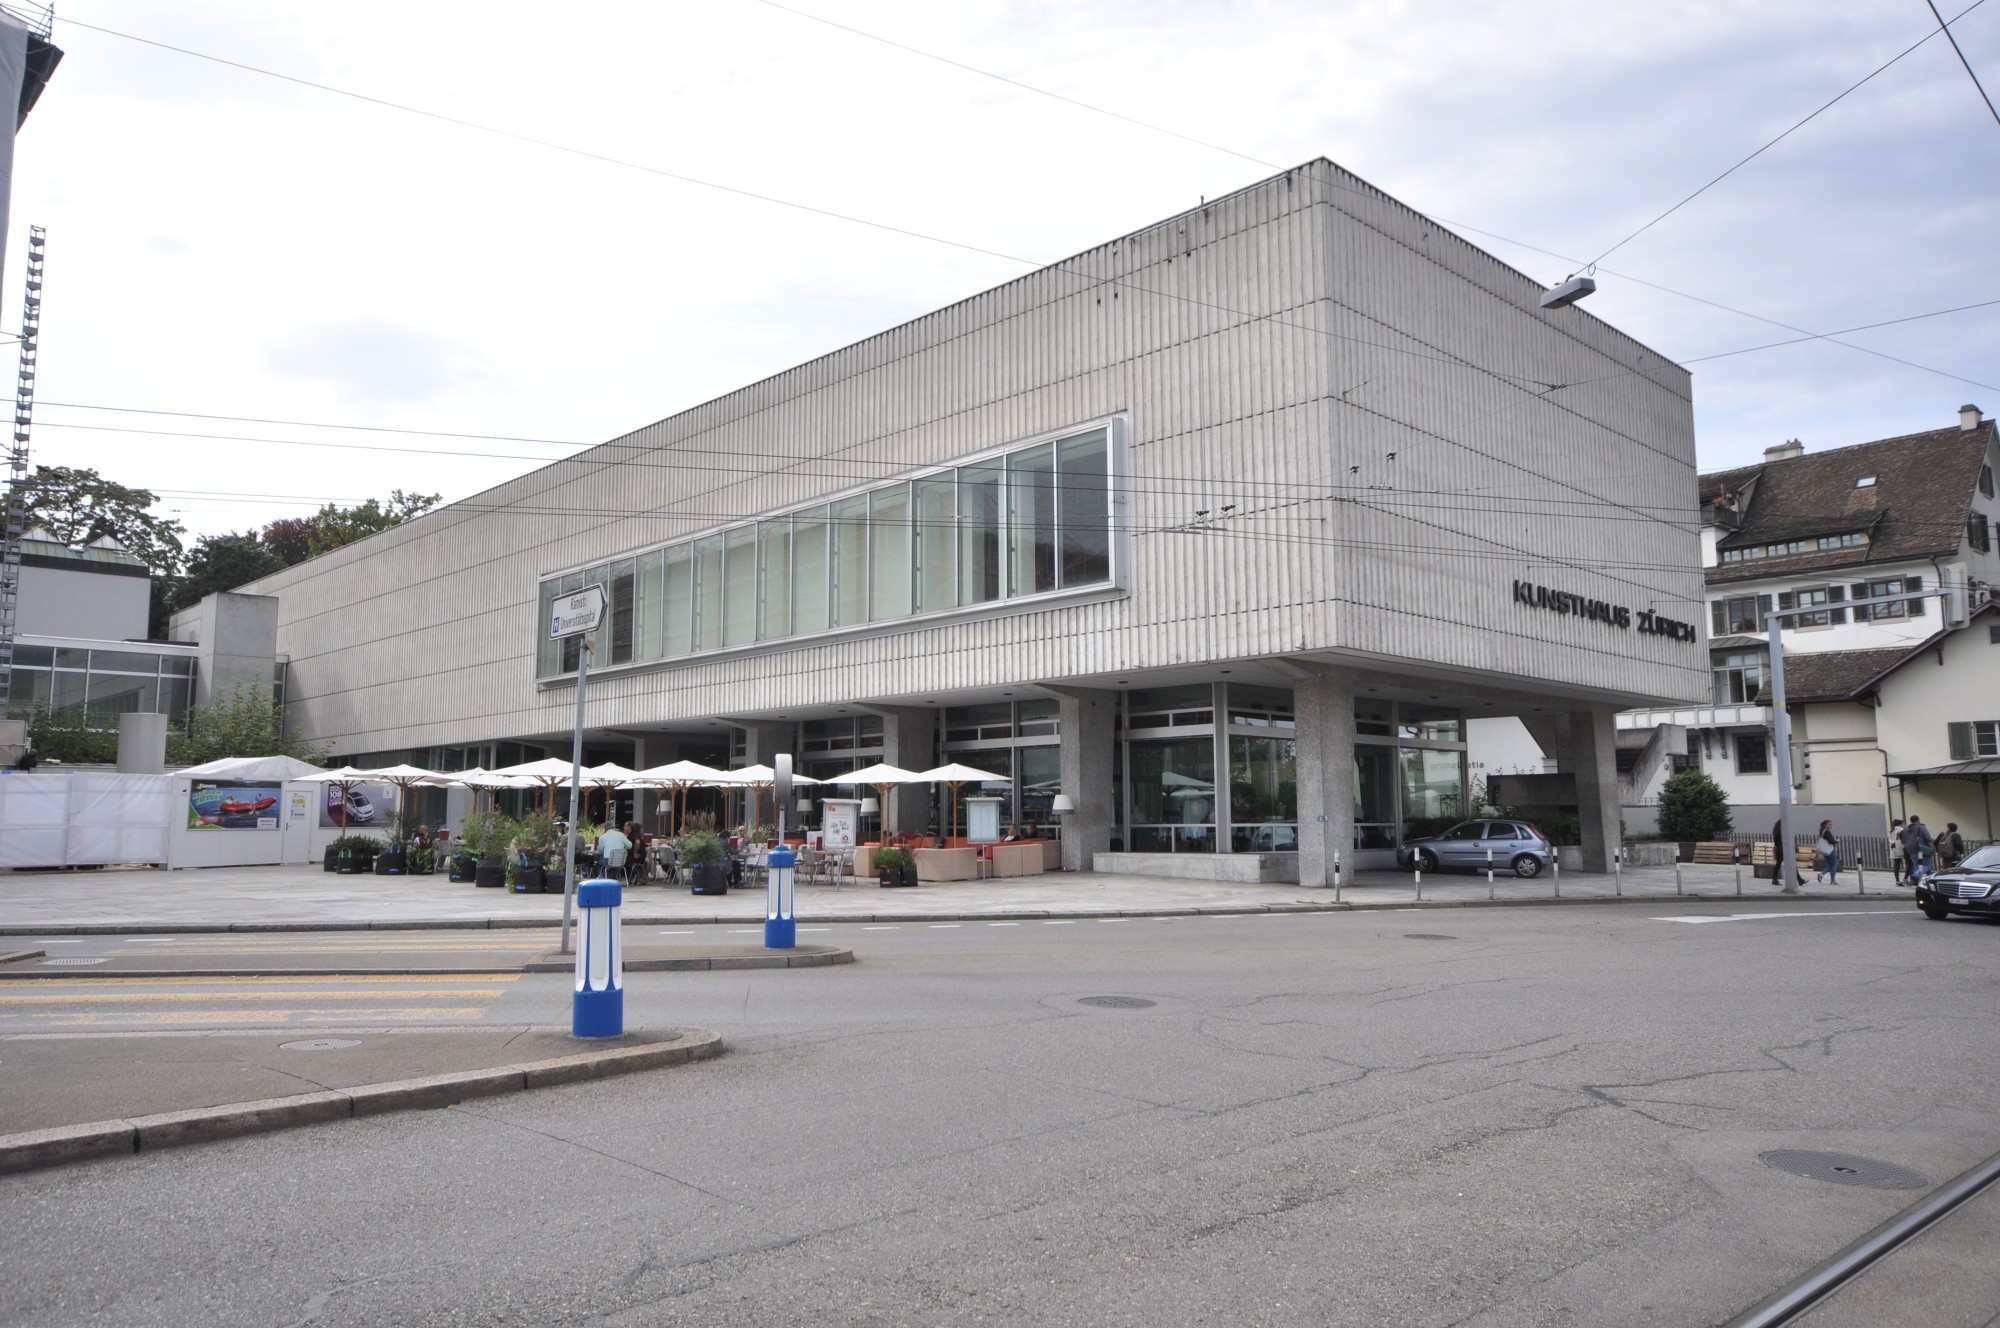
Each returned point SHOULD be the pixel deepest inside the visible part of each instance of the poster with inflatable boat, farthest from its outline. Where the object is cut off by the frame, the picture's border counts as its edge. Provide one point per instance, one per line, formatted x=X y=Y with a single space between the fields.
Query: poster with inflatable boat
x=231 y=806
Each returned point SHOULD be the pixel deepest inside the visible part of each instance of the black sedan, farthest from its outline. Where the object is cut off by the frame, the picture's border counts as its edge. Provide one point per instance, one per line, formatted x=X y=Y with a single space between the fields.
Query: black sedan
x=1972 y=887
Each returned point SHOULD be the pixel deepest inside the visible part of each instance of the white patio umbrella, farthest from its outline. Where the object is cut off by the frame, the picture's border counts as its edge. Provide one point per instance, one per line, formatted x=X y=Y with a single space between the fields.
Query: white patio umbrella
x=677 y=777
x=759 y=779
x=404 y=777
x=254 y=767
x=607 y=777
x=346 y=777
x=955 y=776
x=547 y=772
x=882 y=778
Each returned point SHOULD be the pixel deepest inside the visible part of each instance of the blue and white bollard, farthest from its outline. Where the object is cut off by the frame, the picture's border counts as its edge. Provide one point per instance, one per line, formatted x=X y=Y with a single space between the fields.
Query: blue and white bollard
x=598 y=1010
x=781 y=925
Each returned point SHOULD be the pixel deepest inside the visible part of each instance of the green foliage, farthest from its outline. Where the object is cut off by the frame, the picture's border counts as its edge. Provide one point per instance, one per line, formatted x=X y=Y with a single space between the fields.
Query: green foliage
x=67 y=735
x=364 y=845
x=488 y=832
x=1563 y=829
x=78 y=506
x=1693 y=806
x=290 y=538
x=335 y=526
x=223 y=562
x=891 y=857
x=249 y=723
x=535 y=838
x=698 y=847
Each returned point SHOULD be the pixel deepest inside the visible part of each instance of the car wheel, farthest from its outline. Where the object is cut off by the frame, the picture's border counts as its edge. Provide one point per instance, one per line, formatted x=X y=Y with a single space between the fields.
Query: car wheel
x=1936 y=914
x=1527 y=866
x=1425 y=860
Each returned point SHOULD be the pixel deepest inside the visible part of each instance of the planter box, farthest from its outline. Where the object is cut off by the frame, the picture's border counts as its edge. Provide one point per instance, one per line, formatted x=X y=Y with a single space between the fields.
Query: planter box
x=332 y=859
x=710 y=878
x=356 y=864
x=391 y=863
x=895 y=878
x=528 y=880
x=490 y=871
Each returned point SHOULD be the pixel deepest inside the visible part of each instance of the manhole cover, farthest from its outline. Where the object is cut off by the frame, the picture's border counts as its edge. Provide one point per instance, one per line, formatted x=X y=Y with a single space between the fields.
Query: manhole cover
x=1426 y=936
x=1845 y=1169
x=1117 y=1002
x=71 y=963
x=319 y=1044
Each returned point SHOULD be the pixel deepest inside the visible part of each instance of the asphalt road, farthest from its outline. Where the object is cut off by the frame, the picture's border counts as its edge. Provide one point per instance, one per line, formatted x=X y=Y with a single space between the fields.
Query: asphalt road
x=1481 y=1116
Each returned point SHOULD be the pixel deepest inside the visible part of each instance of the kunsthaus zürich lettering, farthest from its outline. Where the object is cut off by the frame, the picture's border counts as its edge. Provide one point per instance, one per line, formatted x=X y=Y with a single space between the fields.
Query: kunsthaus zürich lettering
x=1612 y=615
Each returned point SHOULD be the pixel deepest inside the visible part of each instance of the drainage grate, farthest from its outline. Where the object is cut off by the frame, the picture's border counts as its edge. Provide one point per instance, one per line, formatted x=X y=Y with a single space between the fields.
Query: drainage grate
x=1426 y=936
x=319 y=1044
x=71 y=963
x=1117 y=1002
x=1845 y=1169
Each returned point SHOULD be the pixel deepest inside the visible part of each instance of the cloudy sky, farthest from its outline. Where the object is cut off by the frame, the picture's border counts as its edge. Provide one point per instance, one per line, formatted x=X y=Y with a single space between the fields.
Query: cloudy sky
x=223 y=243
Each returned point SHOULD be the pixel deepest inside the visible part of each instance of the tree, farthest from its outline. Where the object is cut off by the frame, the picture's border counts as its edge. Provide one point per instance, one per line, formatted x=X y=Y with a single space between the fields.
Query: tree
x=223 y=562
x=249 y=723
x=1693 y=807
x=291 y=538
x=67 y=735
x=337 y=526
x=78 y=506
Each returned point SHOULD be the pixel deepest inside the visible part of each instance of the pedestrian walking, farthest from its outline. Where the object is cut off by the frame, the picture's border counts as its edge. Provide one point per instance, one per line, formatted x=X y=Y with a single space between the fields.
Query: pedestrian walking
x=1950 y=845
x=1917 y=849
x=1828 y=848
x=1783 y=861
x=1897 y=862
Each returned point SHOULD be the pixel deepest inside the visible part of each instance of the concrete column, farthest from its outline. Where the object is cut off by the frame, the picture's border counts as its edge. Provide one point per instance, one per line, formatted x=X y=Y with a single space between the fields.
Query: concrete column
x=649 y=750
x=1591 y=757
x=142 y=743
x=1089 y=772
x=909 y=740
x=1323 y=705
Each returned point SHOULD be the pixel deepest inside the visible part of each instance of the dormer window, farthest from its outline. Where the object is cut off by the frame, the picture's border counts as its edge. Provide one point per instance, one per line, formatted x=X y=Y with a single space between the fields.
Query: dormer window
x=1865 y=482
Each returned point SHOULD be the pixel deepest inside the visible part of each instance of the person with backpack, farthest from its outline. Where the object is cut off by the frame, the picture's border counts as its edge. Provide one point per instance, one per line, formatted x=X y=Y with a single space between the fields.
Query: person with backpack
x=1828 y=847
x=1916 y=841
x=1950 y=845
x=1897 y=863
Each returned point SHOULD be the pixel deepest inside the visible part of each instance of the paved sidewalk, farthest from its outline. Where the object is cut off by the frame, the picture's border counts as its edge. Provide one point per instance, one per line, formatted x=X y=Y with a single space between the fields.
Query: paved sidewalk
x=306 y=898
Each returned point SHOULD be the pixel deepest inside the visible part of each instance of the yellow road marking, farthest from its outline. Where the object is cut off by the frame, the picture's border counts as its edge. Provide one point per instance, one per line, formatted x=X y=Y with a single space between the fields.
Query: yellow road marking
x=260 y=979
x=113 y=997
x=256 y=1018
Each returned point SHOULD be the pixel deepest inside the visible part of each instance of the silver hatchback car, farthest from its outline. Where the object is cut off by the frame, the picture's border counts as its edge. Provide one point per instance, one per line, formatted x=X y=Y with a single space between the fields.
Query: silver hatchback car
x=1515 y=845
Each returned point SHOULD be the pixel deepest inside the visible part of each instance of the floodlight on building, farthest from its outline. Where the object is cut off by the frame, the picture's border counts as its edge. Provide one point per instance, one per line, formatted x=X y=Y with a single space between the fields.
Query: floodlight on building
x=1568 y=292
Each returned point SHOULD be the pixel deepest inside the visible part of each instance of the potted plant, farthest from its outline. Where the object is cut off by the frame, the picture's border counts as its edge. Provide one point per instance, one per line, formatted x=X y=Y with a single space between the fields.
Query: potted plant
x=700 y=852
x=894 y=868
x=355 y=854
x=391 y=860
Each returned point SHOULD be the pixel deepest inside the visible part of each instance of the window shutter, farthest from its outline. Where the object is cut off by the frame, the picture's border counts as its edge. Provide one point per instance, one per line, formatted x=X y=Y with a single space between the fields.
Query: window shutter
x=1836 y=594
x=1913 y=584
x=1837 y=615
x=1763 y=613
x=1960 y=736
x=1718 y=622
x=1786 y=599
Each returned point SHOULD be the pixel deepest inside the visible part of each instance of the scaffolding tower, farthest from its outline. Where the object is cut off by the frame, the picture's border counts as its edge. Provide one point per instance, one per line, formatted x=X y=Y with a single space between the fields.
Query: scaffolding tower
x=17 y=460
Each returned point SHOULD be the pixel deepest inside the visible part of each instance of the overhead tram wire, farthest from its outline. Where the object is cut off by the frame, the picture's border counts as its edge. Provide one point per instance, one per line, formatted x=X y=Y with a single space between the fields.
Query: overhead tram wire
x=1576 y=263
x=1942 y=27
x=1516 y=380
x=1458 y=361
x=1952 y=37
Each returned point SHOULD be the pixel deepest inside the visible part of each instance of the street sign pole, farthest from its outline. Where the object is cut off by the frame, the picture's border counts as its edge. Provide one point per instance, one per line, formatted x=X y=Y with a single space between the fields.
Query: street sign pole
x=575 y=788
x=581 y=611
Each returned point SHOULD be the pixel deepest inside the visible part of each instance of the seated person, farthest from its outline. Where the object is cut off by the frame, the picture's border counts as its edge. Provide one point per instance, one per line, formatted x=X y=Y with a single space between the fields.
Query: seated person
x=1012 y=836
x=423 y=838
x=613 y=841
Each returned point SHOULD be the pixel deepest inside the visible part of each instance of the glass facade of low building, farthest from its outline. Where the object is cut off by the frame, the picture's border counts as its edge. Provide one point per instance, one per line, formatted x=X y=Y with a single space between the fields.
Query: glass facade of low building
x=1026 y=524
x=102 y=681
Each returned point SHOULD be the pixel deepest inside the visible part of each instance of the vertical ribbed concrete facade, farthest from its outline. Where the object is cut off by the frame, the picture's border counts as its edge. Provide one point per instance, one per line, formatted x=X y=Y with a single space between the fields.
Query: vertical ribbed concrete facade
x=1352 y=437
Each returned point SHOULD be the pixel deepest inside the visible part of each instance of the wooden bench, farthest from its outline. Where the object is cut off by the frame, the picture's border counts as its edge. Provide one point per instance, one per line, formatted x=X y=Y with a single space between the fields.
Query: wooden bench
x=1715 y=853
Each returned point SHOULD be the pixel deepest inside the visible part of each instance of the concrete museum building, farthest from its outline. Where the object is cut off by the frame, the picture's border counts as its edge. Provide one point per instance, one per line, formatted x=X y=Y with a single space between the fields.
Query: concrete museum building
x=1225 y=529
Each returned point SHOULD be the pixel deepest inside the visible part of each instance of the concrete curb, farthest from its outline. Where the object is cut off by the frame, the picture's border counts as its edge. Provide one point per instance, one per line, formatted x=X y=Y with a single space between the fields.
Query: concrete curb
x=1009 y=915
x=34 y=1150
x=14 y=956
x=805 y=956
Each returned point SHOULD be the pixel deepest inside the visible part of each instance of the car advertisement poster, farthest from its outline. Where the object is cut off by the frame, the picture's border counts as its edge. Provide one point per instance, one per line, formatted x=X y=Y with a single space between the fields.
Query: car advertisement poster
x=358 y=806
x=231 y=806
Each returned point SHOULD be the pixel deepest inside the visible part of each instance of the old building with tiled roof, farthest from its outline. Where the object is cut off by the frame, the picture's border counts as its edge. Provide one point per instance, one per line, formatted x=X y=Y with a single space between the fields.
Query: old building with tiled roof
x=1833 y=533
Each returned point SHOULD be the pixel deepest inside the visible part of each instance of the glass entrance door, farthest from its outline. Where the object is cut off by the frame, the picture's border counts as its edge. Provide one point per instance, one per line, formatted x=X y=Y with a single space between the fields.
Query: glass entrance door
x=1173 y=795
